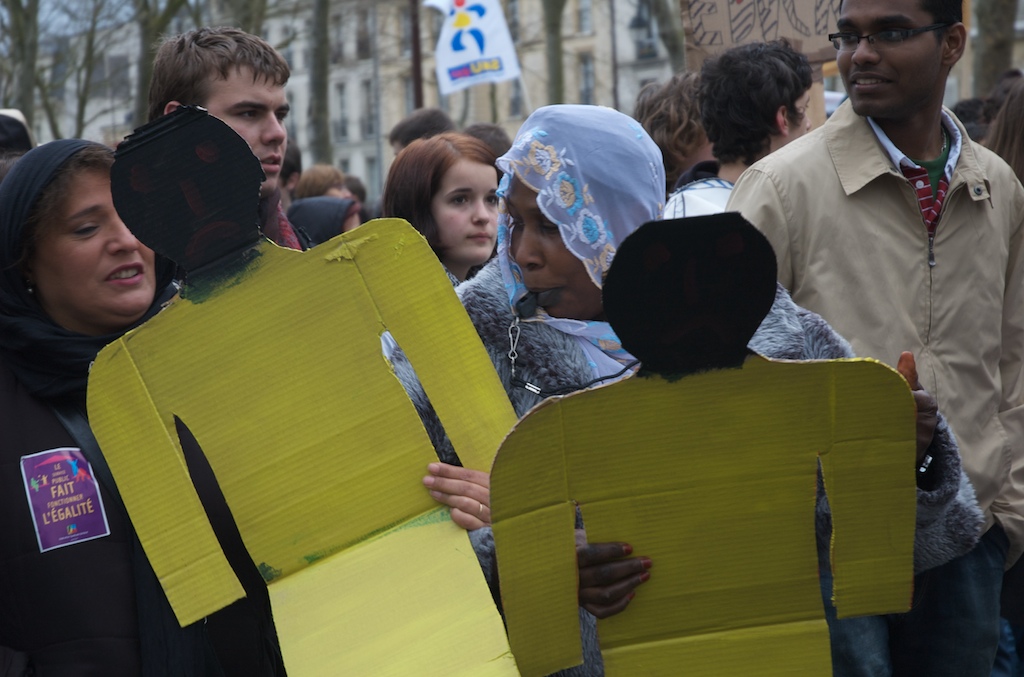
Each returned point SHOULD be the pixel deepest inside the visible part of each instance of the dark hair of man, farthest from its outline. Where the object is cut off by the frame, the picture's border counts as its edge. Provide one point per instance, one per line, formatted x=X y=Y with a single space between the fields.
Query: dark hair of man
x=971 y=112
x=742 y=89
x=186 y=65
x=420 y=124
x=492 y=134
x=997 y=95
x=942 y=11
x=416 y=174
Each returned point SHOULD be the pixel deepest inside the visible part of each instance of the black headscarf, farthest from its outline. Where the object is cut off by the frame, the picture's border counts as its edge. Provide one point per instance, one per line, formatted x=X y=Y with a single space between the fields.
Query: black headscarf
x=318 y=219
x=51 y=361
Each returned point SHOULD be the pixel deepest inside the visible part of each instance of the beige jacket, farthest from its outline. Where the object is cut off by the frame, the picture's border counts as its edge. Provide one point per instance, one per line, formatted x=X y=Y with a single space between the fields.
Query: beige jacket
x=852 y=247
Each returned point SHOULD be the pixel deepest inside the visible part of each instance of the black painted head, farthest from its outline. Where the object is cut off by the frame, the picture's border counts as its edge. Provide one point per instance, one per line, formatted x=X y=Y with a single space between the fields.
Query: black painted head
x=686 y=295
x=188 y=187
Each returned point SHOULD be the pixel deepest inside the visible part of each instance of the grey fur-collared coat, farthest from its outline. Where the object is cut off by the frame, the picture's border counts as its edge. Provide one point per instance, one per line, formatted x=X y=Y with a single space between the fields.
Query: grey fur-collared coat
x=949 y=521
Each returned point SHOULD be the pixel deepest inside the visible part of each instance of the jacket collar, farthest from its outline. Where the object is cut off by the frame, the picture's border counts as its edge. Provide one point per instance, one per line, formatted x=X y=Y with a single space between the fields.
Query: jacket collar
x=859 y=157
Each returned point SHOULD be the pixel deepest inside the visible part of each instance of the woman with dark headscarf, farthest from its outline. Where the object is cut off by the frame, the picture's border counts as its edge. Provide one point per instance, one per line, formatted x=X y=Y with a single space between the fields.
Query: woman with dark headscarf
x=77 y=594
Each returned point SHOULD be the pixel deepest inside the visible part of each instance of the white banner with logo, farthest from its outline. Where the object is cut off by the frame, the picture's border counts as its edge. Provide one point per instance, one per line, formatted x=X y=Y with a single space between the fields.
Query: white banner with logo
x=474 y=46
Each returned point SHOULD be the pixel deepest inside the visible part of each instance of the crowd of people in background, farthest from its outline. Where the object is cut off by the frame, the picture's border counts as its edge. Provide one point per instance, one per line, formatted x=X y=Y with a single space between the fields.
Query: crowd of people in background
x=898 y=226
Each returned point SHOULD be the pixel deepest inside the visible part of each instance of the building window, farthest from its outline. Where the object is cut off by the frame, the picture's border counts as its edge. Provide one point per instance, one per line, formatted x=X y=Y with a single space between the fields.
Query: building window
x=410 y=96
x=120 y=83
x=515 y=99
x=584 y=17
x=287 y=46
x=98 y=80
x=363 y=30
x=341 y=124
x=436 y=24
x=641 y=29
x=368 y=120
x=337 y=39
x=586 y=70
x=406 y=42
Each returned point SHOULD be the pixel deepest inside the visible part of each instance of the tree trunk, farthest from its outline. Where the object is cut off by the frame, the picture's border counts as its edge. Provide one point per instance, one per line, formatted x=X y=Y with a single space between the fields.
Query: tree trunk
x=553 y=10
x=52 y=116
x=668 y=14
x=152 y=22
x=993 y=46
x=89 y=57
x=24 y=24
x=320 y=143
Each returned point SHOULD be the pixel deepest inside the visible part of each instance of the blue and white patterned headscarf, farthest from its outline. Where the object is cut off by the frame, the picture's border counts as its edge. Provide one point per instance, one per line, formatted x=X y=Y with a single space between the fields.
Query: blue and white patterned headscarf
x=598 y=176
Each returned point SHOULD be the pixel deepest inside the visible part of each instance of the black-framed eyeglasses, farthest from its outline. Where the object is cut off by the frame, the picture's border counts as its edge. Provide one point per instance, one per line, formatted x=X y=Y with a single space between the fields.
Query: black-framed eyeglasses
x=847 y=42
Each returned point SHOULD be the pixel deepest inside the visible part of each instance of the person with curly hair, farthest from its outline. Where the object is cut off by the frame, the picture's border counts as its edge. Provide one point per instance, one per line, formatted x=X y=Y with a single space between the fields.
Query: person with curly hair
x=753 y=100
x=670 y=112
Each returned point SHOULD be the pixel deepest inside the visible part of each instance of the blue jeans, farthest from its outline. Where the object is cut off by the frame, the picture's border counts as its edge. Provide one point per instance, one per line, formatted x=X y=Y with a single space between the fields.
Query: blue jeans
x=1010 y=657
x=952 y=629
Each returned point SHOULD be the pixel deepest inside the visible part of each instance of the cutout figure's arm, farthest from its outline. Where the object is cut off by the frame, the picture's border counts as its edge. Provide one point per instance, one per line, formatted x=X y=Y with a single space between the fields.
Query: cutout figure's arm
x=871 y=488
x=423 y=313
x=121 y=413
x=948 y=516
x=535 y=537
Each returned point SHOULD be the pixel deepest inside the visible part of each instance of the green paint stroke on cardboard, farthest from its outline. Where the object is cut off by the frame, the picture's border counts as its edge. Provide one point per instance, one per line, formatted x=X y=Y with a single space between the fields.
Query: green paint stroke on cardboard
x=220 y=276
x=436 y=516
x=268 y=572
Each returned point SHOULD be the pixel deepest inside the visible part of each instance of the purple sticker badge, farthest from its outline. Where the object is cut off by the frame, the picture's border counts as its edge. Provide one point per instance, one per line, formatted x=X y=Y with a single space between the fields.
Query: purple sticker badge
x=64 y=498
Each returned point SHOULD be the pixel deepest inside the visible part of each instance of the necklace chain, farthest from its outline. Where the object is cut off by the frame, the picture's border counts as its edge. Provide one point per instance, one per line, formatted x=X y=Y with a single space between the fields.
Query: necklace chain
x=513 y=343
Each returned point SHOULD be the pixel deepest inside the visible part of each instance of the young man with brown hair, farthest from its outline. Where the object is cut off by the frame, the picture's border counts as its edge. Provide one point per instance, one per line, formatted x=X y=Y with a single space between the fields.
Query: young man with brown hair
x=239 y=78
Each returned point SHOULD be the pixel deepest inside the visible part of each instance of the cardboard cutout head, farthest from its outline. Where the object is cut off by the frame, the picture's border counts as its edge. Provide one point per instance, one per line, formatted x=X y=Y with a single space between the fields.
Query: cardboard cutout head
x=686 y=295
x=213 y=213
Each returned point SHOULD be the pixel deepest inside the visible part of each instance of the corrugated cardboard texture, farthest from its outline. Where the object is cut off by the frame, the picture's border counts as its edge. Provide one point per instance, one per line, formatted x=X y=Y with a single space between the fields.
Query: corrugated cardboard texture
x=713 y=478
x=319 y=452
x=713 y=26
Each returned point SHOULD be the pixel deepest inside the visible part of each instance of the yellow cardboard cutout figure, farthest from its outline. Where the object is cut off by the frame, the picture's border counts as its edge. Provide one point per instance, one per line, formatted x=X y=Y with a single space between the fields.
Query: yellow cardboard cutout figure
x=272 y=359
x=707 y=464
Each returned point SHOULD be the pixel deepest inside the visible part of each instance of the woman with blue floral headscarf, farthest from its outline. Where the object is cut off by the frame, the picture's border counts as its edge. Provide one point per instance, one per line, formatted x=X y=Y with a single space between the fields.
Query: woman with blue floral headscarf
x=578 y=180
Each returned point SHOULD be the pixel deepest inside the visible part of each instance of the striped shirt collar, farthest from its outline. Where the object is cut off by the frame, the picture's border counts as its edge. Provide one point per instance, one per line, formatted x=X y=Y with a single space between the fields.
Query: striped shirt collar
x=900 y=159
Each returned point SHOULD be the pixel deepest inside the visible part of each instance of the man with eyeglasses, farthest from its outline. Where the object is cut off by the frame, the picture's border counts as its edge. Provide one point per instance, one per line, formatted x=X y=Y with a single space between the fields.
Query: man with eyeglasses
x=905 y=235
